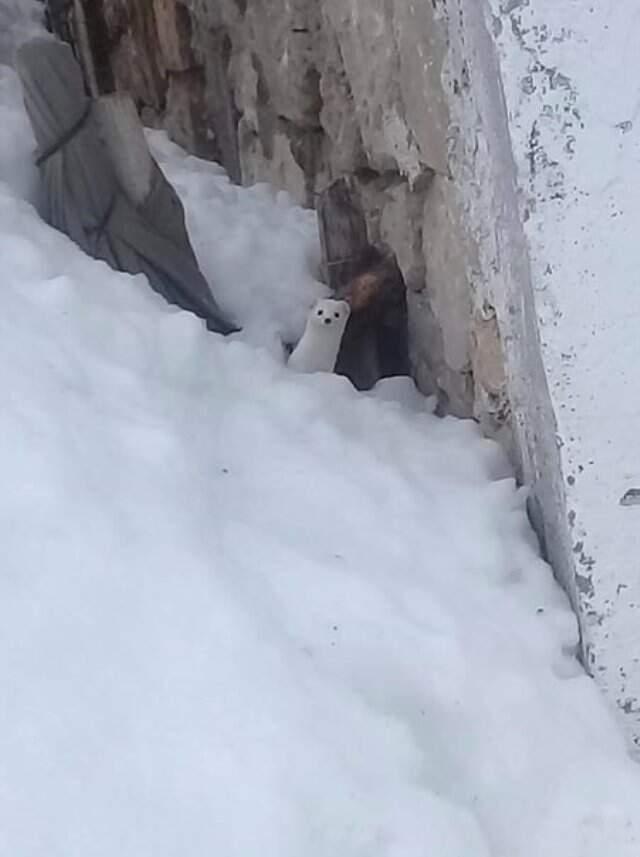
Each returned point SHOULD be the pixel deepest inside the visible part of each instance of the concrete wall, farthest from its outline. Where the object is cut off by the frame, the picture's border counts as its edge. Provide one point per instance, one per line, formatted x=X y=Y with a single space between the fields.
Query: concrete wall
x=460 y=133
x=574 y=132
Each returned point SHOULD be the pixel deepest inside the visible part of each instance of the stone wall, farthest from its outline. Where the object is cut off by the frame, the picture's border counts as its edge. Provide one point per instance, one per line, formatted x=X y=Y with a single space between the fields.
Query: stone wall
x=409 y=100
x=298 y=93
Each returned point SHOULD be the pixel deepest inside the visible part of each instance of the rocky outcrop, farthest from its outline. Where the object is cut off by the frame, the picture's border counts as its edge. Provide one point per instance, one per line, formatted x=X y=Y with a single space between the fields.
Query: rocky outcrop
x=299 y=93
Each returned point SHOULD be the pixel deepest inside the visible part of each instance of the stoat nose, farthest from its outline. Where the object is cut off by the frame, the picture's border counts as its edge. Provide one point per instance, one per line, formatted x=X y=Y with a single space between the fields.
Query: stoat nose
x=327 y=321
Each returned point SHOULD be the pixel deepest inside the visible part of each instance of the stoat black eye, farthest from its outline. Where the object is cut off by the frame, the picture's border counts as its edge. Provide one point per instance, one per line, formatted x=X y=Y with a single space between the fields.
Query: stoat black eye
x=320 y=312
x=337 y=314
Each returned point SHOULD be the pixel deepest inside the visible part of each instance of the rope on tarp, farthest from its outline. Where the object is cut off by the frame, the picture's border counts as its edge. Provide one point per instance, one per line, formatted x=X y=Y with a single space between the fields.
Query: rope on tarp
x=64 y=138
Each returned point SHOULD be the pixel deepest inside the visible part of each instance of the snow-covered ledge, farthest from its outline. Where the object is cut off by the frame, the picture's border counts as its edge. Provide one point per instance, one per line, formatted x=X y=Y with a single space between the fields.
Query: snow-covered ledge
x=554 y=201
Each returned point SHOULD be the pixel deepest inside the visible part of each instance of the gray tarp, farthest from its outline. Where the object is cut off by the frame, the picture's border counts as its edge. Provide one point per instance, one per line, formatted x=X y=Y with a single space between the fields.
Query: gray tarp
x=81 y=195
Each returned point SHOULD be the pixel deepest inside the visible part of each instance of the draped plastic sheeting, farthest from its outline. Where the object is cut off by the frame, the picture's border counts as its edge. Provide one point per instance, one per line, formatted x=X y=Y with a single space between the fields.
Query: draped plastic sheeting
x=81 y=195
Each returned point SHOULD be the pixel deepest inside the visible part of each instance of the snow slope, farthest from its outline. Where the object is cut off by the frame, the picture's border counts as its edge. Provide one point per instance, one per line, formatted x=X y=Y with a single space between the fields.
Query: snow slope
x=245 y=612
x=19 y=20
x=258 y=249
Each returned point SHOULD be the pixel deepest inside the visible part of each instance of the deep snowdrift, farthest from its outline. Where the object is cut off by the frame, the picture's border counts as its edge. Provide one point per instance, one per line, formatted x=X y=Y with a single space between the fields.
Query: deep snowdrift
x=245 y=612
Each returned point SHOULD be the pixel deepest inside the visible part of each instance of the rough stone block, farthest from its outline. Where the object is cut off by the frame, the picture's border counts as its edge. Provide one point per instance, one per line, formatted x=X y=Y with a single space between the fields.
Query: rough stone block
x=173 y=24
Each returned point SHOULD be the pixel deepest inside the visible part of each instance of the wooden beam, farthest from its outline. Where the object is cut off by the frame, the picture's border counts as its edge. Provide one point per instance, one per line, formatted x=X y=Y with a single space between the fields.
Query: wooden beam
x=84 y=48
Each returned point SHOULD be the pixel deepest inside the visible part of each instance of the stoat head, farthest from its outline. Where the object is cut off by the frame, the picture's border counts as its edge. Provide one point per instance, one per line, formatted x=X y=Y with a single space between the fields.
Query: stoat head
x=330 y=315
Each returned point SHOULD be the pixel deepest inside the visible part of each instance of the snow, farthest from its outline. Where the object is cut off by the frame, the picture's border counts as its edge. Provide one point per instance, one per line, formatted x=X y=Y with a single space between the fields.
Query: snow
x=258 y=249
x=575 y=131
x=19 y=21
x=16 y=168
x=247 y=612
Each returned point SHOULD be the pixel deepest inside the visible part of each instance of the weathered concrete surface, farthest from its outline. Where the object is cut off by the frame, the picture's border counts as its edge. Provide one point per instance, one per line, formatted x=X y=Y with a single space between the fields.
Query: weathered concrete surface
x=575 y=136
x=463 y=130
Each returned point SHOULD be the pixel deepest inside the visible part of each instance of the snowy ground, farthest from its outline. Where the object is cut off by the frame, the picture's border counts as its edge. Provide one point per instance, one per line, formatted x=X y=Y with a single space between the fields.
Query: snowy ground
x=244 y=612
